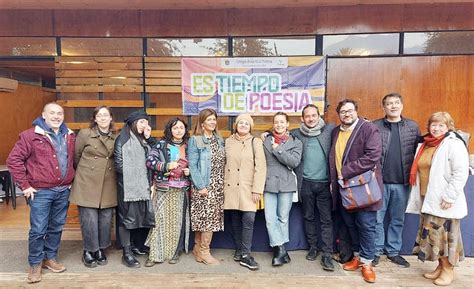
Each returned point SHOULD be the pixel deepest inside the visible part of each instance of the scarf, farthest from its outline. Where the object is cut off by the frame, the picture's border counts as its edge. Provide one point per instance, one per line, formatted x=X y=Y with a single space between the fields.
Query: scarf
x=313 y=131
x=280 y=138
x=429 y=141
x=135 y=178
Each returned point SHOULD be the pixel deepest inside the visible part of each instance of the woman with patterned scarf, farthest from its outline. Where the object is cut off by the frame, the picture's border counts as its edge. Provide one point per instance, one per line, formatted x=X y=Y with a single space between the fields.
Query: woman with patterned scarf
x=168 y=164
x=134 y=211
x=283 y=154
x=438 y=175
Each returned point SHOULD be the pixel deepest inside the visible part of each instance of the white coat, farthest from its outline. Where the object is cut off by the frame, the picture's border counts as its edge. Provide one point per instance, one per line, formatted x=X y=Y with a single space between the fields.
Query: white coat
x=447 y=178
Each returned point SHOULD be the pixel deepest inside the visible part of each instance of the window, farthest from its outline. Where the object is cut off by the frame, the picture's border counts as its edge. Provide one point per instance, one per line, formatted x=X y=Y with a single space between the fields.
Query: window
x=187 y=47
x=360 y=44
x=455 y=42
x=275 y=46
x=28 y=46
x=101 y=47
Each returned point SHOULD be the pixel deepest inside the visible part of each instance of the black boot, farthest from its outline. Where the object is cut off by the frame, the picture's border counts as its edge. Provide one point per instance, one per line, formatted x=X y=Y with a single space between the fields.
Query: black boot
x=138 y=252
x=89 y=260
x=128 y=259
x=284 y=254
x=100 y=257
x=277 y=258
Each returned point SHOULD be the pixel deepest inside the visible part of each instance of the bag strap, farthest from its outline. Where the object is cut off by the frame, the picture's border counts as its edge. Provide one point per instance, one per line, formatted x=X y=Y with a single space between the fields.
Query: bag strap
x=253 y=151
x=349 y=145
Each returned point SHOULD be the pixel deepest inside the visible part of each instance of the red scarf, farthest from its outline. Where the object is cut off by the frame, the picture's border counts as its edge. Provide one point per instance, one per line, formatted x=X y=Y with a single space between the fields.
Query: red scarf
x=280 y=138
x=430 y=141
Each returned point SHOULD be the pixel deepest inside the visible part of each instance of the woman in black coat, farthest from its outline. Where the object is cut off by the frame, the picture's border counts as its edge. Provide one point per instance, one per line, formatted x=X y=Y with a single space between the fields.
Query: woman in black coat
x=134 y=211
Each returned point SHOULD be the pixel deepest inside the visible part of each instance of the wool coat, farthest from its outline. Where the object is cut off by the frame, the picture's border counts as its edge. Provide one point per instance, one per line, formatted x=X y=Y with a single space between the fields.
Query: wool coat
x=245 y=172
x=364 y=154
x=281 y=162
x=95 y=184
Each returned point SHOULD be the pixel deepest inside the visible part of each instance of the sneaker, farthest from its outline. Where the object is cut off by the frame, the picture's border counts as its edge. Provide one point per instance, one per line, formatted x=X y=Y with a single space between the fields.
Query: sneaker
x=326 y=263
x=54 y=266
x=376 y=261
x=34 y=274
x=400 y=261
x=312 y=254
x=237 y=255
x=249 y=262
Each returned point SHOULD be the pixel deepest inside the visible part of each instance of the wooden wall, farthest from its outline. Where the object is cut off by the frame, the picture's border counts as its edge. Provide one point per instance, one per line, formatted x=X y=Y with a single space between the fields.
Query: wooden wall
x=238 y=22
x=428 y=84
x=17 y=112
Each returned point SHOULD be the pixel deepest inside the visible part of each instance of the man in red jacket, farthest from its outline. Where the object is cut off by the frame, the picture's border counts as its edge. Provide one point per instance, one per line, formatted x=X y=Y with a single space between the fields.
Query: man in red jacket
x=41 y=163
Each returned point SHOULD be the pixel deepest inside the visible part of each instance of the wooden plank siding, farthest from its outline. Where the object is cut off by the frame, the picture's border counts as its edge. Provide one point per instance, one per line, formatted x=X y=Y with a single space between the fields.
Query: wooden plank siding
x=99 y=74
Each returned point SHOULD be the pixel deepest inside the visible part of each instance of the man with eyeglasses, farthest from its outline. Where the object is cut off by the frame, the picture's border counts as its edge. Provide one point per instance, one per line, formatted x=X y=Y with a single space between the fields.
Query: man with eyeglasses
x=356 y=148
x=399 y=137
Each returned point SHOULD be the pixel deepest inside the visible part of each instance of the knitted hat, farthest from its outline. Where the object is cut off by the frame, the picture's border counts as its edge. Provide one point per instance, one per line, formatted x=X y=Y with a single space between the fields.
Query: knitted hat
x=136 y=115
x=243 y=116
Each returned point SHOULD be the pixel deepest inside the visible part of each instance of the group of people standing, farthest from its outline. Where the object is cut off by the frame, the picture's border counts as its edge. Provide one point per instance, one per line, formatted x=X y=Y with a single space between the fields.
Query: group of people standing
x=164 y=189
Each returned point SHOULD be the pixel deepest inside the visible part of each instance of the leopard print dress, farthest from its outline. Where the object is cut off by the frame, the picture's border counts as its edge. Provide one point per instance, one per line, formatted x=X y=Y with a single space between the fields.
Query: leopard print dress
x=207 y=213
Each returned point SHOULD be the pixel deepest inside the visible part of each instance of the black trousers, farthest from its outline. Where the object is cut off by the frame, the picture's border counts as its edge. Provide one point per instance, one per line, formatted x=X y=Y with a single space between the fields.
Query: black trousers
x=242 y=229
x=317 y=207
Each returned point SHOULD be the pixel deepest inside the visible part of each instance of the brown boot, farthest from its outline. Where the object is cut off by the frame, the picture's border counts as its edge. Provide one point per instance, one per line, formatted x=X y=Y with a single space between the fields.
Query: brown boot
x=205 y=252
x=368 y=273
x=34 y=274
x=197 y=246
x=54 y=266
x=435 y=274
x=447 y=273
x=353 y=264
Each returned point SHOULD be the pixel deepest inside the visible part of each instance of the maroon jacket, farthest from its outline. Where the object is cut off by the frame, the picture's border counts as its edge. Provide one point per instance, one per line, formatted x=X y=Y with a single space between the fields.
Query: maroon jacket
x=33 y=163
x=363 y=155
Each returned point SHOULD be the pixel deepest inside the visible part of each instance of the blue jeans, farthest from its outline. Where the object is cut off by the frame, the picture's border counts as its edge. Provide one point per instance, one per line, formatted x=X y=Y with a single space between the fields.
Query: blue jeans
x=395 y=200
x=48 y=212
x=361 y=227
x=277 y=214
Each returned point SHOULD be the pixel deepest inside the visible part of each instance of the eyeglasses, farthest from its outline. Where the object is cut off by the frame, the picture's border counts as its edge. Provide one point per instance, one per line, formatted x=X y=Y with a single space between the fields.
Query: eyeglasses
x=344 y=112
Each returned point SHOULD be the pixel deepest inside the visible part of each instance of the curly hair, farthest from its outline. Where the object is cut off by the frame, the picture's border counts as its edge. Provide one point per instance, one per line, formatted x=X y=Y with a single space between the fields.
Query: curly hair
x=168 y=134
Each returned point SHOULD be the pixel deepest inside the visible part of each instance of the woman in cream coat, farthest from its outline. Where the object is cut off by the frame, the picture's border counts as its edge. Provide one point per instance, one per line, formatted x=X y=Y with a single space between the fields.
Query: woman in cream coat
x=438 y=176
x=245 y=174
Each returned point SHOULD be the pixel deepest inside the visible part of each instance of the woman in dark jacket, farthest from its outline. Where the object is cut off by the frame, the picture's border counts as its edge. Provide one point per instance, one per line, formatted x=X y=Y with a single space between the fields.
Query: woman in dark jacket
x=134 y=211
x=95 y=188
x=283 y=154
x=168 y=164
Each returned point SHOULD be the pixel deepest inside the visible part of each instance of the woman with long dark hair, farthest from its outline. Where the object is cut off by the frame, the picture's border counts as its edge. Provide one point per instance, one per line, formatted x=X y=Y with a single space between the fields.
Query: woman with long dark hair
x=95 y=188
x=134 y=211
x=168 y=164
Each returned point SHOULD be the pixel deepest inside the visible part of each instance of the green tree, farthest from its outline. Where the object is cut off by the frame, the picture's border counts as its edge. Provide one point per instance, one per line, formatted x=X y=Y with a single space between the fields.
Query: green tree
x=245 y=47
x=450 y=42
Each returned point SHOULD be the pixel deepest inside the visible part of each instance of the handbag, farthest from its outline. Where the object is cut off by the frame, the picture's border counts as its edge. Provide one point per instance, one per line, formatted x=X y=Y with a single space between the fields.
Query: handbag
x=178 y=171
x=360 y=191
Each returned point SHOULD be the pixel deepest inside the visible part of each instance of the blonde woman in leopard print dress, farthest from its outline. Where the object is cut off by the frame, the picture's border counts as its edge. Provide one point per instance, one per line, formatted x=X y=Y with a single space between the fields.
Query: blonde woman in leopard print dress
x=206 y=164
